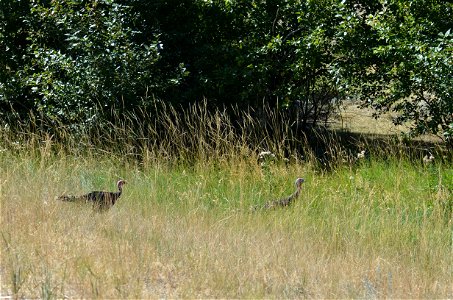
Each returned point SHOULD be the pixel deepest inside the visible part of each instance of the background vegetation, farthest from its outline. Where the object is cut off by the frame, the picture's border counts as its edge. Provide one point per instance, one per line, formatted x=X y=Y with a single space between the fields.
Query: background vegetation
x=179 y=98
x=76 y=60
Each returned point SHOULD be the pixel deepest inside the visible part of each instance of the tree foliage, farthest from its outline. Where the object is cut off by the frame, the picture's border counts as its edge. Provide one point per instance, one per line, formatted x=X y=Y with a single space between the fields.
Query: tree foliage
x=77 y=57
x=70 y=59
x=408 y=67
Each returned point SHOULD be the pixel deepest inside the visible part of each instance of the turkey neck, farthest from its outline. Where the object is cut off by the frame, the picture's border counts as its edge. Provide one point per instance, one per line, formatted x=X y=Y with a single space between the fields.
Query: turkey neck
x=295 y=194
x=120 y=190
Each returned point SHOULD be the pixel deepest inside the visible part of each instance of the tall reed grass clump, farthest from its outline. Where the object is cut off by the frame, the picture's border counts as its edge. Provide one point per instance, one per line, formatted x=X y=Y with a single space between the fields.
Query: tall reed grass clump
x=367 y=224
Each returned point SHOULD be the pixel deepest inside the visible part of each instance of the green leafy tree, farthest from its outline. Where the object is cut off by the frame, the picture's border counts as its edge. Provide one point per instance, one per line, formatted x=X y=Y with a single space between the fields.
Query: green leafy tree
x=406 y=65
x=12 y=57
x=289 y=47
x=249 y=53
x=70 y=59
x=197 y=39
x=81 y=56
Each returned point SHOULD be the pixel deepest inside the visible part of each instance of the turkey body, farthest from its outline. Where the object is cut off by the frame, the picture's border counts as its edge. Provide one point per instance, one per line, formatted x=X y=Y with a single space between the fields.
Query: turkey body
x=100 y=199
x=287 y=201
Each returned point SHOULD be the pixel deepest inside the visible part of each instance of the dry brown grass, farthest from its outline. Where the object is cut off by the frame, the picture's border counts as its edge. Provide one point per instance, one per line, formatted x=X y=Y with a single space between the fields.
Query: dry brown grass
x=187 y=233
x=377 y=227
x=362 y=120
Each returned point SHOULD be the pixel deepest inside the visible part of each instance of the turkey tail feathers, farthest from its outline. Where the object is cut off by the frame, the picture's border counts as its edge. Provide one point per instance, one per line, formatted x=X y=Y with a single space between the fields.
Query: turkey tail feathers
x=67 y=198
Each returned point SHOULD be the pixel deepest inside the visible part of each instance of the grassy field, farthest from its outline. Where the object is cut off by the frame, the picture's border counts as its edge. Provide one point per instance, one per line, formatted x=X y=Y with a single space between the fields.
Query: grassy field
x=378 y=227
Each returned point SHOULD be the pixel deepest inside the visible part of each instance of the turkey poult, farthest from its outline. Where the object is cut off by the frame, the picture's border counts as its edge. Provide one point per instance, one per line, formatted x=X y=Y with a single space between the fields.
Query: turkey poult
x=287 y=201
x=101 y=199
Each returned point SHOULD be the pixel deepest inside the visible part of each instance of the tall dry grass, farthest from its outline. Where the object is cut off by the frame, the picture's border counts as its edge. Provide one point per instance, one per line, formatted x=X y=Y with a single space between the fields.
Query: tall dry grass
x=374 y=227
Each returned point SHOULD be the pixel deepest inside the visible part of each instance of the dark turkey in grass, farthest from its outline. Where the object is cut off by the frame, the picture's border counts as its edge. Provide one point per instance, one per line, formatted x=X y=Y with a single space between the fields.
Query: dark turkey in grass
x=100 y=199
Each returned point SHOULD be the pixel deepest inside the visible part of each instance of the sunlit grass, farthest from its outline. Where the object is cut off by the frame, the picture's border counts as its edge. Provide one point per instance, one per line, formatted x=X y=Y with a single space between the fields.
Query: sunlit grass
x=378 y=230
x=376 y=227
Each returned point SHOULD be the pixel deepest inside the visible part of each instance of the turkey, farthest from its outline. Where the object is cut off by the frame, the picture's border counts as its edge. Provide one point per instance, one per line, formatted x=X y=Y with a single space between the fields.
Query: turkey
x=287 y=201
x=100 y=199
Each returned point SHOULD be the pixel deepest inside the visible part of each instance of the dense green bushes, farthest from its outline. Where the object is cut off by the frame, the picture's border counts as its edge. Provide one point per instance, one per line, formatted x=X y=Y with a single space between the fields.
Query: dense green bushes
x=76 y=60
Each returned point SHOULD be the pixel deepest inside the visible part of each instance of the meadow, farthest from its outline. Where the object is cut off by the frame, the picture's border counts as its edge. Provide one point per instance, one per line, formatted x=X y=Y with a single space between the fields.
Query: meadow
x=374 y=227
